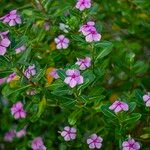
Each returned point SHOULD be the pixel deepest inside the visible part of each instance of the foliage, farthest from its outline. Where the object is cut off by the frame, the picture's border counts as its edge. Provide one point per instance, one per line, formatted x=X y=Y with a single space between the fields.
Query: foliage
x=119 y=70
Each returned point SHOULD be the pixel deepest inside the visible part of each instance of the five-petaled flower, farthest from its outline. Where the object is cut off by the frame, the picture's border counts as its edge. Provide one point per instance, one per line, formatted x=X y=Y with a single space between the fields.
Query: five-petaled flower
x=83 y=4
x=11 y=77
x=94 y=141
x=9 y=135
x=12 y=18
x=83 y=63
x=17 y=110
x=131 y=144
x=20 y=49
x=54 y=73
x=62 y=42
x=37 y=144
x=90 y=32
x=4 y=42
x=73 y=77
x=118 y=106
x=69 y=133
x=146 y=99
x=30 y=71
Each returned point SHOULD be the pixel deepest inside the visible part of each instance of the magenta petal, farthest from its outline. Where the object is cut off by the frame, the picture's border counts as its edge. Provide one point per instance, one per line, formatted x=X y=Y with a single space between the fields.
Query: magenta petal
x=67 y=128
x=146 y=97
x=98 y=145
x=5 y=42
x=67 y=80
x=148 y=103
x=67 y=138
x=118 y=108
x=2 y=50
x=92 y=146
x=63 y=133
x=12 y=23
x=73 y=83
x=18 y=20
x=73 y=136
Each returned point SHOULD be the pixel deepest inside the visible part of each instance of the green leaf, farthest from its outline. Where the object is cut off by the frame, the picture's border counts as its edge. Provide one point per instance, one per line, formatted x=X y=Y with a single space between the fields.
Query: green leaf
x=74 y=116
x=88 y=78
x=103 y=53
x=108 y=112
x=61 y=74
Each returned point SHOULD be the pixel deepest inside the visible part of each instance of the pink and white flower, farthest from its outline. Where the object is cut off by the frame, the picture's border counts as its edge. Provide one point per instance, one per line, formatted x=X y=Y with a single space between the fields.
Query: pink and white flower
x=62 y=42
x=17 y=110
x=20 y=49
x=4 y=42
x=73 y=77
x=86 y=27
x=37 y=144
x=83 y=4
x=90 y=32
x=11 y=77
x=118 y=106
x=69 y=133
x=92 y=35
x=9 y=135
x=30 y=71
x=83 y=63
x=94 y=141
x=21 y=133
x=54 y=74
x=146 y=99
x=12 y=18
x=131 y=144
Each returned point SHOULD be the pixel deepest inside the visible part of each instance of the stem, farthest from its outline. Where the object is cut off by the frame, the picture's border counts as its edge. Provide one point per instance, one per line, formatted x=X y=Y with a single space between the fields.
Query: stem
x=42 y=7
x=93 y=58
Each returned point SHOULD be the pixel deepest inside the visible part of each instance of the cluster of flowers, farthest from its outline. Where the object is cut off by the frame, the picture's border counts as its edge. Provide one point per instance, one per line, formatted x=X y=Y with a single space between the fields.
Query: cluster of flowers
x=73 y=78
x=90 y=32
x=95 y=142
x=13 y=133
x=12 y=18
x=29 y=72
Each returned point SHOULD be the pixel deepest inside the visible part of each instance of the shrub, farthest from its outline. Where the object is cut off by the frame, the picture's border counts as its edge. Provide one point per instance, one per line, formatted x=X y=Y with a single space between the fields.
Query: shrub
x=74 y=74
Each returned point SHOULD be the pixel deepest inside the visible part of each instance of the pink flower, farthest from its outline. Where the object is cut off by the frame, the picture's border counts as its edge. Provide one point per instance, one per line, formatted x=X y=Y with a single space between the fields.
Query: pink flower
x=94 y=141
x=17 y=110
x=21 y=133
x=92 y=35
x=118 y=106
x=86 y=28
x=9 y=136
x=12 y=18
x=62 y=42
x=84 y=63
x=146 y=99
x=90 y=32
x=131 y=144
x=83 y=4
x=54 y=74
x=46 y=26
x=30 y=71
x=69 y=133
x=4 y=42
x=37 y=144
x=20 y=49
x=11 y=77
x=2 y=80
x=73 y=77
